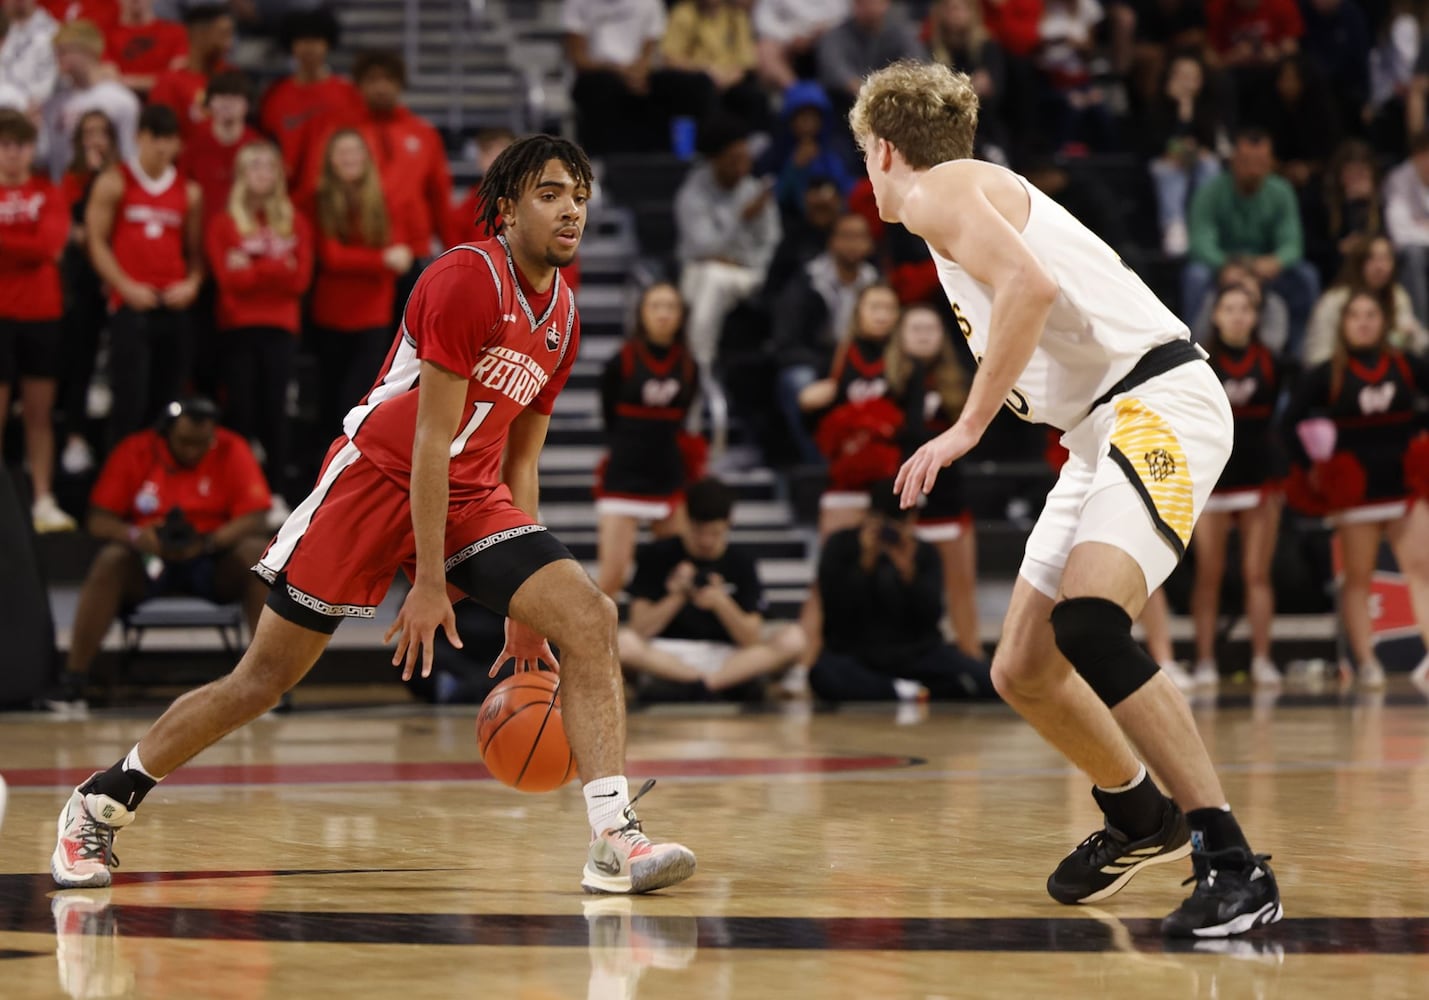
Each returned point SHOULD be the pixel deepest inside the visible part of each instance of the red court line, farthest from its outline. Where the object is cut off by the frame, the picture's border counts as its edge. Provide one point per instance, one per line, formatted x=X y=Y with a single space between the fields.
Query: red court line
x=354 y=772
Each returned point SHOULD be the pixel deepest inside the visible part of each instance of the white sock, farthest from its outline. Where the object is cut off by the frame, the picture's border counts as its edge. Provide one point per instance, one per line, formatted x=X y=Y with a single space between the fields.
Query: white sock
x=1140 y=777
x=605 y=800
x=133 y=763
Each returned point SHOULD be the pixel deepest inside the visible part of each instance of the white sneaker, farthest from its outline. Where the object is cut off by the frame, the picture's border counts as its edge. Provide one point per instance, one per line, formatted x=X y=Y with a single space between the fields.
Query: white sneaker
x=84 y=853
x=1263 y=672
x=1183 y=680
x=278 y=512
x=1176 y=240
x=1421 y=672
x=77 y=458
x=48 y=517
x=1206 y=674
x=1370 y=675
x=624 y=860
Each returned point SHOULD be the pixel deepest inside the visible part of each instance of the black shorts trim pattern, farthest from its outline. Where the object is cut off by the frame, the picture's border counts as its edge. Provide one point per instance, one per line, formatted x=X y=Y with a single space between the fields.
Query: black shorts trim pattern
x=305 y=610
x=491 y=569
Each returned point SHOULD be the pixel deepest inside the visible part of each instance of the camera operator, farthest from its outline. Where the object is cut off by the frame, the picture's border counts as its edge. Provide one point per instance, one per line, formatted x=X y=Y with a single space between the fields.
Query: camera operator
x=882 y=593
x=181 y=510
x=696 y=629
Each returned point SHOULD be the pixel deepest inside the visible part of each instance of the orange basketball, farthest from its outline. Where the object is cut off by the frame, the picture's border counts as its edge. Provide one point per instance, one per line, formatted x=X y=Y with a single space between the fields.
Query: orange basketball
x=522 y=740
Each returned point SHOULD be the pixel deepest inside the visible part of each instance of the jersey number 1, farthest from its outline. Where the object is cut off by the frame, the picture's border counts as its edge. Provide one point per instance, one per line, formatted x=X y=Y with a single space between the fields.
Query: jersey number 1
x=483 y=410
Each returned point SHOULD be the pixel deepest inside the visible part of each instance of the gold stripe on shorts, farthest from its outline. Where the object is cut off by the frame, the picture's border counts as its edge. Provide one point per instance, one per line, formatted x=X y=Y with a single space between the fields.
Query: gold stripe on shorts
x=1147 y=450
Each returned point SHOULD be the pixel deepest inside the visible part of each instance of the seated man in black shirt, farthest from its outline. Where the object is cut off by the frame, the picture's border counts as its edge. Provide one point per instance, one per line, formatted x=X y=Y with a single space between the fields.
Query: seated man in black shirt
x=882 y=593
x=695 y=624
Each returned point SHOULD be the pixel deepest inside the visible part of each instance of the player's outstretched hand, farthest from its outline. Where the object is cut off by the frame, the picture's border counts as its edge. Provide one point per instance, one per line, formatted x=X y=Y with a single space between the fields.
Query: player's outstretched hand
x=920 y=472
x=424 y=610
x=527 y=647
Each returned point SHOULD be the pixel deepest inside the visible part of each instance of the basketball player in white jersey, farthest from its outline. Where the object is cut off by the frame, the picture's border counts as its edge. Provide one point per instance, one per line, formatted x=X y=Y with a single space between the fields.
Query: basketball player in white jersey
x=1066 y=334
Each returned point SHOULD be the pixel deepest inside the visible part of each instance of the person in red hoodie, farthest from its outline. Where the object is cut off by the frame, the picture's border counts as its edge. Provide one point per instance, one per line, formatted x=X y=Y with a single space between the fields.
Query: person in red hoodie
x=141 y=45
x=34 y=224
x=210 y=32
x=364 y=241
x=313 y=92
x=410 y=156
x=212 y=146
x=261 y=254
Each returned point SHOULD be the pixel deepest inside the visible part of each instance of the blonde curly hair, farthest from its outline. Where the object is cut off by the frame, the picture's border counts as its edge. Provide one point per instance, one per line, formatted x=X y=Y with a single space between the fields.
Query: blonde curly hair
x=926 y=110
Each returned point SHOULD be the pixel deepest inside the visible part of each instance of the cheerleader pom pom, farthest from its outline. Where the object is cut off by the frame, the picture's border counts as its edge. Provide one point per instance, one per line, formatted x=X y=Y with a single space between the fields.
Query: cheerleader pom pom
x=1056 y=456
x=1340 y=480
x=860 y=468
x=1300 y=496
x=1416 y=466
x=851 y=426
x=695 y=452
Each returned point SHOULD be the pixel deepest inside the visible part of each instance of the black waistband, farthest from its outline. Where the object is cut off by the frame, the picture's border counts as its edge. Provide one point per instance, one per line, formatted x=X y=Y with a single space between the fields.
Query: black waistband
x=1157 y=361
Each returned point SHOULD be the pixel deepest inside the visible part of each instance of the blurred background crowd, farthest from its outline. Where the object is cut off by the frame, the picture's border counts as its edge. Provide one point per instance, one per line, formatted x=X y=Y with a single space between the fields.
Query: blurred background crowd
x=210 y=216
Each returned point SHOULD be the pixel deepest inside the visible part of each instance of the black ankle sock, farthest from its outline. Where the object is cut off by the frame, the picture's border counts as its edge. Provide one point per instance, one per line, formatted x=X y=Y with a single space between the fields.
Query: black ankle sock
x=1136 y=812
x=121 y=785
x=1215 y=830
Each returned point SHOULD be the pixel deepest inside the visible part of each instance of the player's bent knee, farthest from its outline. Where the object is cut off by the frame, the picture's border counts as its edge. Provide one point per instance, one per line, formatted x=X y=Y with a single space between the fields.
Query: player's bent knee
x=1094 y=634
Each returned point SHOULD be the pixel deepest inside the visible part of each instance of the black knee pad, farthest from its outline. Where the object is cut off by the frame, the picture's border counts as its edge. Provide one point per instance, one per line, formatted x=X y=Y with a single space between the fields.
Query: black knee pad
x=1095 y=635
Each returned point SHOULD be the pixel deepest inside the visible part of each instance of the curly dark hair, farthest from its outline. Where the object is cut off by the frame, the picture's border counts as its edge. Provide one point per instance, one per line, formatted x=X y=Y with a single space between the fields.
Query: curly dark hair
x=519 y=166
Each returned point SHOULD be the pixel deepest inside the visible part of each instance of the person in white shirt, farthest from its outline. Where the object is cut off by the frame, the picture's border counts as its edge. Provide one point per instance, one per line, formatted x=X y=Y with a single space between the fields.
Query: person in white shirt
x=27 y=55
x=79 y=46
x=1065 y=333
x=1406 y=219
x=728 y=227
x=624 y=100
x=787 y=32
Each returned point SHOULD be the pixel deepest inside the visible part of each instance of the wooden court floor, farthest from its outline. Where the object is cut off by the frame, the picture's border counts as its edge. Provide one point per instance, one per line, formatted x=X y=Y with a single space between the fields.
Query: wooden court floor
x=865 y=853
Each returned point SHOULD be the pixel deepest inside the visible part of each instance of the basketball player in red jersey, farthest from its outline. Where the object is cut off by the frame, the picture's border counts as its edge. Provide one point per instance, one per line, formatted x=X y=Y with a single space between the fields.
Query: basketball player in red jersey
x=435 y=473
x=145 y=240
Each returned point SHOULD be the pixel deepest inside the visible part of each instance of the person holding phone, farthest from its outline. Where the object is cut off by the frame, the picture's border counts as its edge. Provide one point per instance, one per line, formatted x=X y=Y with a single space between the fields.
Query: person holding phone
x=882 y=593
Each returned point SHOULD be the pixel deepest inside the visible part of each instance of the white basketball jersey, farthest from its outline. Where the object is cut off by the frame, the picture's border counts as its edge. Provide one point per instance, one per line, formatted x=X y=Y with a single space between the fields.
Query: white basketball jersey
x=1103 y=321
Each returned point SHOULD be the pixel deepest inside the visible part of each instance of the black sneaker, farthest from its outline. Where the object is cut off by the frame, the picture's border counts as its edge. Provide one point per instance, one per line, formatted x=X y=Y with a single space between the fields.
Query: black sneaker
x=1104 y=862
x=1235 y=892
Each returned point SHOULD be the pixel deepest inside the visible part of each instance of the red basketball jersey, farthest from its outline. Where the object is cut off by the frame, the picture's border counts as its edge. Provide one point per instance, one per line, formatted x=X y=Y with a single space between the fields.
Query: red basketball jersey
x=148 y=235
x=471 y=313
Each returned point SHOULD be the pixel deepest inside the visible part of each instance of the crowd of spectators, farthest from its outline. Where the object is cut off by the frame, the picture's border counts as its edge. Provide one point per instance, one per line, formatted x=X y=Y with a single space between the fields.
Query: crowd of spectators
x=169 y=226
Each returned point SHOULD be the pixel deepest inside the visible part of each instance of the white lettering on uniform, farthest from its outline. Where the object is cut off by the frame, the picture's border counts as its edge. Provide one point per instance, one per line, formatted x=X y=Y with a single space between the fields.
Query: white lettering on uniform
x=511 y=373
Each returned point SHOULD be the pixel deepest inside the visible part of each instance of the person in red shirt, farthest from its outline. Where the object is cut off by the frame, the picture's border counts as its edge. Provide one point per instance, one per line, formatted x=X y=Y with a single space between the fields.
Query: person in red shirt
x=313 y=92
x=212 y=145
x=34 y=224
x=411 y=158
x=93 y=148
x=145 y=241
x=261 y=254
x=1252 y=32
x=436 y=474
x=461 y=220
x=141 y=46
x=180 y=510
x=364 y=242
x=210 y=33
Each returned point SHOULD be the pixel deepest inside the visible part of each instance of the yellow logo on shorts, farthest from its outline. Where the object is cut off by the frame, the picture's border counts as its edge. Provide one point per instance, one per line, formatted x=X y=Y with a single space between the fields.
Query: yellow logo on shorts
x=1151 y=449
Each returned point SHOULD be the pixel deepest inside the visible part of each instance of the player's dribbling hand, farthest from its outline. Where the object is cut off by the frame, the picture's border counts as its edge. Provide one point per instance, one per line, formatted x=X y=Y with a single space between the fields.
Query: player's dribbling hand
x=920 y=472
x=527 y=647
x=425 y=609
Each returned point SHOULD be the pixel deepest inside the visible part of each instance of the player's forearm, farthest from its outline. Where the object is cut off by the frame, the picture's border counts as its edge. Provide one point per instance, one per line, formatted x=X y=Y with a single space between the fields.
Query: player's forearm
x=431 y=462
x=1014 y=331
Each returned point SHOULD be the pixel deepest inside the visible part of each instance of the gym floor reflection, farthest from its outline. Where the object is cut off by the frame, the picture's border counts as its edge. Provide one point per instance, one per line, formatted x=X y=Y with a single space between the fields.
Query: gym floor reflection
x=862 y=853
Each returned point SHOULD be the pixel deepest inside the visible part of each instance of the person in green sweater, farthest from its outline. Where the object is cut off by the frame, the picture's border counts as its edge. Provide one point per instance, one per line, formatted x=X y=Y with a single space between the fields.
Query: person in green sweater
x=1249 y=215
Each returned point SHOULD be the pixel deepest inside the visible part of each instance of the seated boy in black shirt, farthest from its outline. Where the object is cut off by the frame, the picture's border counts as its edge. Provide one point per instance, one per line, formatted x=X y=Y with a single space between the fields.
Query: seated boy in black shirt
x=696 y=625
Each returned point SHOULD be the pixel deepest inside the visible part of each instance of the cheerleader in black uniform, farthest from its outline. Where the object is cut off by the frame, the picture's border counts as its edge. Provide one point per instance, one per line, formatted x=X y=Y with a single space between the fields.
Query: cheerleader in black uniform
x=646 y=391
x=1248 y=496
x=1375 y=398
x=857 y=376
x=929 y=385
